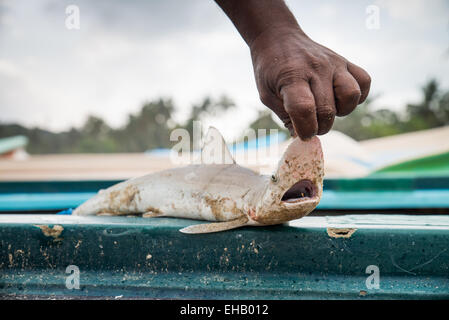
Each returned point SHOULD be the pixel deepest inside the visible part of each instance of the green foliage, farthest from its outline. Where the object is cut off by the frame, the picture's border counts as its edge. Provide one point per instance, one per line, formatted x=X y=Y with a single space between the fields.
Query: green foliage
x=150 y=128
x=432 y=111
x=365 y=123
x=146 y=130
x=206 y=107
x=265 y=121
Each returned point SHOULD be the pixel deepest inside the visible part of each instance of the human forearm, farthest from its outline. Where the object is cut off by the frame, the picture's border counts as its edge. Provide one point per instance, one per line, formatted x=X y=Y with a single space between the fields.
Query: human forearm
x=254 y=17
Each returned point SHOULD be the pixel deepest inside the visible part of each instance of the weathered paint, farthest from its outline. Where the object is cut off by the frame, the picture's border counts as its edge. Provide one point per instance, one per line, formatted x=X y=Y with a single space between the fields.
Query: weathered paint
x=149 y=258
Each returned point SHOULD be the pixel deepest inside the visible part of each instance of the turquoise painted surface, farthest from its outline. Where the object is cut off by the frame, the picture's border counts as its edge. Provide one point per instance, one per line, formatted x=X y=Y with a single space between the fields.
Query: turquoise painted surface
x=150 y=258
x=366 y=193
x=42 y=201
x=385 y=200
x=330 y=200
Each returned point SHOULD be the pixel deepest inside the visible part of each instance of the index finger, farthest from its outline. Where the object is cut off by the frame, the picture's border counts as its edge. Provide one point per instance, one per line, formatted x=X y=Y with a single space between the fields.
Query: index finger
x=300 y=105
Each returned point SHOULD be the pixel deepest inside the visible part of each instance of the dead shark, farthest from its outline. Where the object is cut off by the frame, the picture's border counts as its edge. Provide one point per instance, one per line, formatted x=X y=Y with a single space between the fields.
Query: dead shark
x=220 y=190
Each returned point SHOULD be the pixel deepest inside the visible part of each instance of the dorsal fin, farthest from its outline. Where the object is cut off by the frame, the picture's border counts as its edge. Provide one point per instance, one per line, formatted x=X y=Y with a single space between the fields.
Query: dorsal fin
x=214 y=149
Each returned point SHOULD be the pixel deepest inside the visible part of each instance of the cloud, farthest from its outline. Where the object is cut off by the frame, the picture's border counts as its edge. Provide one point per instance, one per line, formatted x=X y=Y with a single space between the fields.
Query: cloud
x=142 y=18
x=421 y=13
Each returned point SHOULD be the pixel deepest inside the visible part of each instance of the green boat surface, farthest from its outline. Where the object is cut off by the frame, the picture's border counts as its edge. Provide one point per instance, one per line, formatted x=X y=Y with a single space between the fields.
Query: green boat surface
x=390 y=242
x=433 y=165
x=313 y=258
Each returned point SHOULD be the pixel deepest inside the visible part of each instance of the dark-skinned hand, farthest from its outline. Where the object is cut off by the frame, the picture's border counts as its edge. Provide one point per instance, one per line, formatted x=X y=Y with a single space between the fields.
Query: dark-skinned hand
x=305 y=83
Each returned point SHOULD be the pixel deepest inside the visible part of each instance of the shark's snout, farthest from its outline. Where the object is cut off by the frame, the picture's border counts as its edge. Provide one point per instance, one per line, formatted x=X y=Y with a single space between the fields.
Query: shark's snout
x=298 y=186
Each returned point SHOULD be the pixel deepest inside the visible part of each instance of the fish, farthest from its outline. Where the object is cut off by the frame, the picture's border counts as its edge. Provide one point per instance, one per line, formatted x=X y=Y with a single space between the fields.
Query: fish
x=220 y=191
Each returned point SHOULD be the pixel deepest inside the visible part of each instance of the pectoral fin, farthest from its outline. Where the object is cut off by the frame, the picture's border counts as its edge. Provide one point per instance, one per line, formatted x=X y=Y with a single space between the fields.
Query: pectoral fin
x=215 y=226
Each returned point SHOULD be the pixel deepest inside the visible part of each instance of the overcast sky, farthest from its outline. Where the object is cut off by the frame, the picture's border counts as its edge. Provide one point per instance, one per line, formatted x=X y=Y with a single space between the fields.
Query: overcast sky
x=127 y=52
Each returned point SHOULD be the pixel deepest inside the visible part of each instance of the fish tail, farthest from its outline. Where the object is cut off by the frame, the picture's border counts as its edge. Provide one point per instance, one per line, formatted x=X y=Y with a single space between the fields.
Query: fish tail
x=90 y=207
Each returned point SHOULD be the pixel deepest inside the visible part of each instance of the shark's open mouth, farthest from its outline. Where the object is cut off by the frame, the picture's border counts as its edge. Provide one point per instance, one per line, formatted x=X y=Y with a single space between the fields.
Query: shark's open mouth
x=300 y=191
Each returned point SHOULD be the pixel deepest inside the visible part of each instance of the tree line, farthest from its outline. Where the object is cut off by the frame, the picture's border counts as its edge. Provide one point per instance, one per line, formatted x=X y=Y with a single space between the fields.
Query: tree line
x=150 y=127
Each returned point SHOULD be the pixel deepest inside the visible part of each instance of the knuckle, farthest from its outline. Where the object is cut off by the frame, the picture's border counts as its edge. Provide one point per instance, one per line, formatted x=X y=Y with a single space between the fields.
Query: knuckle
x=289 y=77
x=317 y=64
x=303 y=111
x=326 y=112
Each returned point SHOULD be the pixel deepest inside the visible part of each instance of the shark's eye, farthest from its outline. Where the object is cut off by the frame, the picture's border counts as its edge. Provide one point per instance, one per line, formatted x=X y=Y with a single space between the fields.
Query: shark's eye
x=274 y=178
